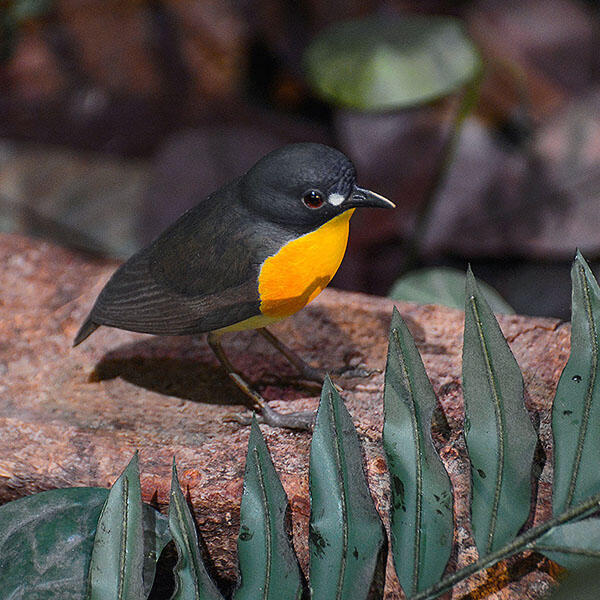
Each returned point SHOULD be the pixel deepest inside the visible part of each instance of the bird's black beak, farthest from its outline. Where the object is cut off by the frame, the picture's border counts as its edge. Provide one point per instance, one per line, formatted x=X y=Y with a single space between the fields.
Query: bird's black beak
x=361 y=197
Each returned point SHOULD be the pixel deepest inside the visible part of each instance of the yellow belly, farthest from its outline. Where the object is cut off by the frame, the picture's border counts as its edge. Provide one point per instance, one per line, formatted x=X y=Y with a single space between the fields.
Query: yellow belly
x=250 y=323
x=301 y=270
x=298 y=273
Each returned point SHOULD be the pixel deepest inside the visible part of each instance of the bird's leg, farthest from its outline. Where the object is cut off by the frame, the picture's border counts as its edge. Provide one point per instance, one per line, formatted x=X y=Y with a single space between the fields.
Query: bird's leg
x=254 y=399
x=307 y=371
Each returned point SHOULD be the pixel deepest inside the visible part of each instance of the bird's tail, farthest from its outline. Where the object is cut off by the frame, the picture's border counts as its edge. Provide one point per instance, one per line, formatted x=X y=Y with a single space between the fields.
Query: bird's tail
x=85 y=331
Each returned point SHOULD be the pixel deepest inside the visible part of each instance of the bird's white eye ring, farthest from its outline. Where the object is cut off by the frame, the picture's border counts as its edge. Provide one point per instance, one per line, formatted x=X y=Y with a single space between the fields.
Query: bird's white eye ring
x=313 y=199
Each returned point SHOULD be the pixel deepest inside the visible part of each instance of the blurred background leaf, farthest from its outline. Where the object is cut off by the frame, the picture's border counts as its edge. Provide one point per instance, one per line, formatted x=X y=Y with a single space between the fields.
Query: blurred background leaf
x=22 y=11
x=386 y=63
x=446 y=286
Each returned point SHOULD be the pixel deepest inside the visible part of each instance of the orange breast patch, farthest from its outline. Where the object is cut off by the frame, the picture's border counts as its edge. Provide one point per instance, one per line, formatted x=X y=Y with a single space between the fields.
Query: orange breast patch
x=301 y=270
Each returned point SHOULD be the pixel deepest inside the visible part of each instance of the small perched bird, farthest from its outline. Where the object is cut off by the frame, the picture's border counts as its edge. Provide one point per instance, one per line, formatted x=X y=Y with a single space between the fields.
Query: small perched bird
x=250 y=254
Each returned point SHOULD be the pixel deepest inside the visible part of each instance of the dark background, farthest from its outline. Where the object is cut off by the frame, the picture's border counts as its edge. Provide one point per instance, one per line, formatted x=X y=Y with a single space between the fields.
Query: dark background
x=116 y=116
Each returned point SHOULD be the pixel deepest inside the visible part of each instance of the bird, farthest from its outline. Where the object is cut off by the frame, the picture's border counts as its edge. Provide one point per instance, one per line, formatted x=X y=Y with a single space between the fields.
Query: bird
x=254 y=252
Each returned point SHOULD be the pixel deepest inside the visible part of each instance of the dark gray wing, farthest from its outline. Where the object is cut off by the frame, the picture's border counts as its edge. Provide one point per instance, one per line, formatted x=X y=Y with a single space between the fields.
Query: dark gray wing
x=201 y=274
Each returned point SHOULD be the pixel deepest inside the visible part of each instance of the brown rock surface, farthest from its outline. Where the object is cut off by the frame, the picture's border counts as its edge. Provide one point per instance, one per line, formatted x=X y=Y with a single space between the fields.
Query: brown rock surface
x=73 y=417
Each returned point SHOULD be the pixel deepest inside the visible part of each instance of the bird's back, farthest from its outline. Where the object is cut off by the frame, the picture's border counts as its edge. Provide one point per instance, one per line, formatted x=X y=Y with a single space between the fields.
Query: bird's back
x=199 y=275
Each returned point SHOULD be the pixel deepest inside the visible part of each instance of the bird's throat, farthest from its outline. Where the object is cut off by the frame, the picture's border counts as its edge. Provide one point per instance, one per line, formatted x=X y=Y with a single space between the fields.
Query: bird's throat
x=302 y=268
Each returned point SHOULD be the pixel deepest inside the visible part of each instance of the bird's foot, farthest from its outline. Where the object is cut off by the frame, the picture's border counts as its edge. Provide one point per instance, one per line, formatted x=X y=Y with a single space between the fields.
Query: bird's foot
x=355 y=371
x=299 y=421
x=314 y=379
x=316 y=375
x=307 y=372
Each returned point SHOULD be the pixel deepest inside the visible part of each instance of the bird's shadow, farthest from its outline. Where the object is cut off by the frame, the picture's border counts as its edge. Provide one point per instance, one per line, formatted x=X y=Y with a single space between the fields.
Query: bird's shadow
x=174 y=367
x=150 y=364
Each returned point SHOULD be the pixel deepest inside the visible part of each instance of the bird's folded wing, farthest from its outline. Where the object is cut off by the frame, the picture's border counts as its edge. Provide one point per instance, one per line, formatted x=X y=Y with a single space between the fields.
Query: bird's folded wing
x=201 y=274
x=133 y=299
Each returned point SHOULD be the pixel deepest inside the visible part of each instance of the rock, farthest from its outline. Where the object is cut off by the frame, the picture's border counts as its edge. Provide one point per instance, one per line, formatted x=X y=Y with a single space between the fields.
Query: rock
x=34 y=72
x=554 y=40
x=84 y=200
x=117 y=77
x=213 y=46
x=74 y=417
x=503 y=201
x=395 y=154
x=191 y=164
x=111 y=41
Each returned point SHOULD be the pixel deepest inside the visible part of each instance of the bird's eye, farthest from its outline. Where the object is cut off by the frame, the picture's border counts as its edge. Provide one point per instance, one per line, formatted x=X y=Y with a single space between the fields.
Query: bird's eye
x=313 y=199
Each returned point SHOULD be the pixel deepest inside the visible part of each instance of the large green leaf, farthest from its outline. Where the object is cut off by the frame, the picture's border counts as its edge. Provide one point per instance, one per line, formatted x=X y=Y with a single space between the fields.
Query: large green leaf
x=46 y=543
x=421 y=509
x=576 y=410
x=128 y=541
x=498 y=430
x=582 y=584
x=347 y=539
x=191 y=576
x=269 y=568
x=386 y=62
x=445 y=286
x=573 y=545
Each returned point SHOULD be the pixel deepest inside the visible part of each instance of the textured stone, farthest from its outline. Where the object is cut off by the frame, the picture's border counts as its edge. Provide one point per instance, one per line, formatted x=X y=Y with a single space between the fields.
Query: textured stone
x=73 y=417
x=84 y=200
x=499 y=201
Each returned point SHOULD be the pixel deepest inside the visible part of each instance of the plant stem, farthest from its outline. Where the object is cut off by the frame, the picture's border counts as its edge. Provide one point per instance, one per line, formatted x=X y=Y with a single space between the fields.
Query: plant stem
x=468 y=102
x=519 y=544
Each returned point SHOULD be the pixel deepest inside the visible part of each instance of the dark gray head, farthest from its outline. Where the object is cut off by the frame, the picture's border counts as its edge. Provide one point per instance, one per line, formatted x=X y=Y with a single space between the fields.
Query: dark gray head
x=302 y=186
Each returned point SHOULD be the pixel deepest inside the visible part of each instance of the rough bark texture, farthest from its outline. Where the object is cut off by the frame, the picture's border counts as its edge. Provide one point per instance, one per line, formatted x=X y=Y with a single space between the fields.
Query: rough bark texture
x=73 y=417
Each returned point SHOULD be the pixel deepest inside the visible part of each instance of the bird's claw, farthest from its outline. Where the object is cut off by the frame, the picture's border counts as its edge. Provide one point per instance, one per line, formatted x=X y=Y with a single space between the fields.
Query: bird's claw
x=359 y=371
x=300 y=421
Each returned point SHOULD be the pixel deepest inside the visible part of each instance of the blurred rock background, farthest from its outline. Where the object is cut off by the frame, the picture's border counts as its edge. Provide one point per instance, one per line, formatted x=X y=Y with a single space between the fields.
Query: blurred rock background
x=116 y=116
